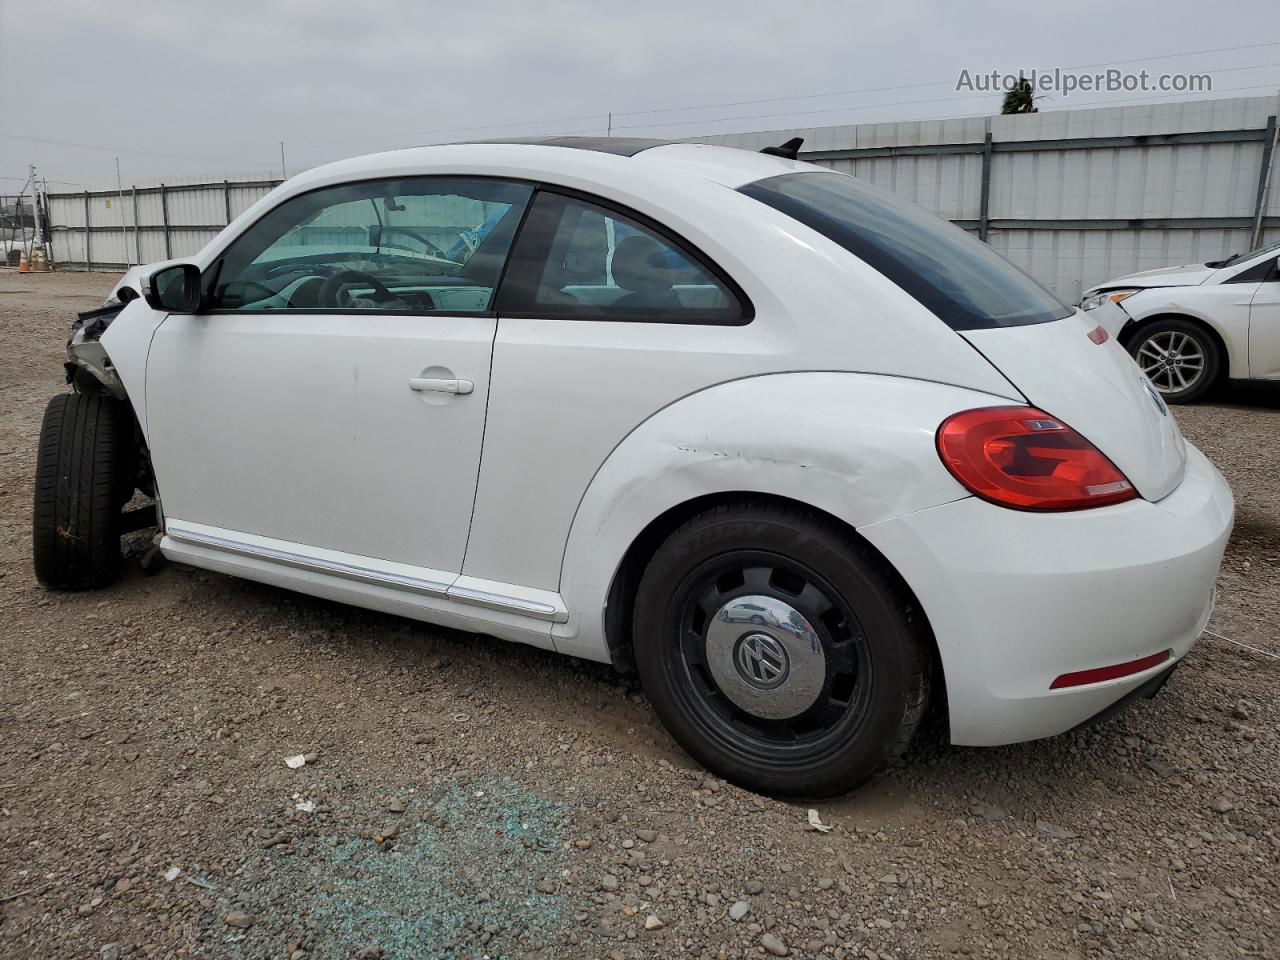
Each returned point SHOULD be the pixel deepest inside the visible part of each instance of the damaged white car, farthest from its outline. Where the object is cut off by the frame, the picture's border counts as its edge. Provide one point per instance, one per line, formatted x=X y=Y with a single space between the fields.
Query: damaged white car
x=1191 y=327
x=804 y=456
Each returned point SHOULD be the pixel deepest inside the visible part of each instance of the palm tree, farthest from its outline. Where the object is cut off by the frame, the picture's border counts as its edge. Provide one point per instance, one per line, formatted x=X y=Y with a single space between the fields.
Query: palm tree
x=1021 y=99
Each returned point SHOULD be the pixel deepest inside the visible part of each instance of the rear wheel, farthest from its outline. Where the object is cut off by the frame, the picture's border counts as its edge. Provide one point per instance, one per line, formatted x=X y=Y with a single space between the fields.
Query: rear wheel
x=1179 y=357
x=780 y=651
x=84 y=475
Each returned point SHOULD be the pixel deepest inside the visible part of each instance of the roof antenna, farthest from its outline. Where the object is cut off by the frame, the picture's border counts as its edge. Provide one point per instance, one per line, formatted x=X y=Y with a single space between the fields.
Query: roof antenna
x=788 y=151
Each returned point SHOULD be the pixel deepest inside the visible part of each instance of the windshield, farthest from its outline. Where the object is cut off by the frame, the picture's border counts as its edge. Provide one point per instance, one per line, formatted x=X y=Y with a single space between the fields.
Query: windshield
x=962 y=280
x=1240 y=257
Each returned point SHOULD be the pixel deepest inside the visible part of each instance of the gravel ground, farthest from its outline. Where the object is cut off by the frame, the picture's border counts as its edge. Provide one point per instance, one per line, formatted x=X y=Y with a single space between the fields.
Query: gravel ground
x=468 y=798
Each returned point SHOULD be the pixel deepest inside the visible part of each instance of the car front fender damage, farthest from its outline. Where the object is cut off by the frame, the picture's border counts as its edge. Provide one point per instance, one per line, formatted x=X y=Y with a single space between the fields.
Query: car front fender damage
x=88 y=365
x=89 y=369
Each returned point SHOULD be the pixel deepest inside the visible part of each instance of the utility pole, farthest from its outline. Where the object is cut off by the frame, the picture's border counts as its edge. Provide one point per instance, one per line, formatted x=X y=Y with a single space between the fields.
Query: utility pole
x=124 y=226
x=284 y=174
x=38 y=236
x=48 y=243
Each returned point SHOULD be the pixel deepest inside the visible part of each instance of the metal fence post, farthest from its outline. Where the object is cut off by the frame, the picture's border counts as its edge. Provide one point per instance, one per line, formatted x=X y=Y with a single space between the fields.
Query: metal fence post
x=226 y=199
x=88 y=257
x=984 y=203
x=137 y=243
x=164 y=217
x=1264 y=183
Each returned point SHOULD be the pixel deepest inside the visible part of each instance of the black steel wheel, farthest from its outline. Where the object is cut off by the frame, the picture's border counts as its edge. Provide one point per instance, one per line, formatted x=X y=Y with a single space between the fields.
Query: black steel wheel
x=779 y=650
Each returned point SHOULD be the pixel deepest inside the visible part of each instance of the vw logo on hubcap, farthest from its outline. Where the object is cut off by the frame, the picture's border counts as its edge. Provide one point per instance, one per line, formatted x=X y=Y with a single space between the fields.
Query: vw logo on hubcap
x=765 y=657
x=762 y=661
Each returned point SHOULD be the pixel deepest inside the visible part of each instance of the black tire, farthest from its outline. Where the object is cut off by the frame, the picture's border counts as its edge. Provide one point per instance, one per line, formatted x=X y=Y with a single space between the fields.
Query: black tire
x=84 y=475
x=1179 y=357
x=875 y=664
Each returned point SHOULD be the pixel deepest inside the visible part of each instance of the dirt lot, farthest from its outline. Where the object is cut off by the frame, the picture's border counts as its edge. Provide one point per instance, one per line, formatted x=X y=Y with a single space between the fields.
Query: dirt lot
x=478 y=799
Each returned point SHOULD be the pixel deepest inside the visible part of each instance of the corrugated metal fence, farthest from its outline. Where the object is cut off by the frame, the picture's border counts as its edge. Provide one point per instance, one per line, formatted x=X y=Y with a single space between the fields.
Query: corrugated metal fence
x=110 y=229
x=1074 y=197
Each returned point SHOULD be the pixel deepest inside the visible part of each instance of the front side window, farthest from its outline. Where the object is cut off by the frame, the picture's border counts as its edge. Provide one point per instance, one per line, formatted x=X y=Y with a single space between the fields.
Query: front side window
x=579 y=260
x=960 y=279
x=407 y=246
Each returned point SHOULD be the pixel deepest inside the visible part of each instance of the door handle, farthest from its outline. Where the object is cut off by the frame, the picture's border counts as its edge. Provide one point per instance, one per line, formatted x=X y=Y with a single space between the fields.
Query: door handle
x=433 y=385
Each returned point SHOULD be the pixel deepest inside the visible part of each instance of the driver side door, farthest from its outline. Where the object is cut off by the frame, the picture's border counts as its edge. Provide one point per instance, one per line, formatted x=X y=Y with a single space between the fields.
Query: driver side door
x=327 y=408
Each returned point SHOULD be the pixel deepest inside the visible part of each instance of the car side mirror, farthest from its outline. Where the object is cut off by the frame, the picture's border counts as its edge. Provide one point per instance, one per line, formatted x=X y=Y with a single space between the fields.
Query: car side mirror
x=174 y=289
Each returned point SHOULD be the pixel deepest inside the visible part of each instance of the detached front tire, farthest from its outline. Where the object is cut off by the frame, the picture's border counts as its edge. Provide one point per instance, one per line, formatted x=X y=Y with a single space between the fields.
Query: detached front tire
x=84 y=476
x=781 y=651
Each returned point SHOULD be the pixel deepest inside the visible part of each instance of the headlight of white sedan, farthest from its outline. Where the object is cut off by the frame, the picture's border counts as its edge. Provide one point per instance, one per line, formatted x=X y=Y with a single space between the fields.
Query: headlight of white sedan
x=1106 y=296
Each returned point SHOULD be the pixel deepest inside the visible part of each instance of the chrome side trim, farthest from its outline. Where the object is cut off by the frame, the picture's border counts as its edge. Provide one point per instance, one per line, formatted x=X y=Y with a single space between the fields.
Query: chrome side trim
x=498 y=601
x=378 y=578
x=347 y=571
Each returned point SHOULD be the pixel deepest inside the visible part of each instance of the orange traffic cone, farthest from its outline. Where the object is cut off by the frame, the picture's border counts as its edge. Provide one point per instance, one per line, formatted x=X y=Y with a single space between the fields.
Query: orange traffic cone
x=24 y=265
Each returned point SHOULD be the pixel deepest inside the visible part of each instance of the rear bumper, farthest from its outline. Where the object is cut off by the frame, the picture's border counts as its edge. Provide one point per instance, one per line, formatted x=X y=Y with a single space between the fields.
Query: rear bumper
x=1147 y=690
x=1018 y=599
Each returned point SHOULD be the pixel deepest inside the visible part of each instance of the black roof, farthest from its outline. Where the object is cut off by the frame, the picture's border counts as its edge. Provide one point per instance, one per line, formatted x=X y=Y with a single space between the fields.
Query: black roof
x=619 y=146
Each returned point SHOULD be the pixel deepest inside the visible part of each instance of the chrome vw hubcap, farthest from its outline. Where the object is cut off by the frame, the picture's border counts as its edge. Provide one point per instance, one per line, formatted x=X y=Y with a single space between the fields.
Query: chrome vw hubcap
x=765 y=657
x=1172 y=360
x=762 y=661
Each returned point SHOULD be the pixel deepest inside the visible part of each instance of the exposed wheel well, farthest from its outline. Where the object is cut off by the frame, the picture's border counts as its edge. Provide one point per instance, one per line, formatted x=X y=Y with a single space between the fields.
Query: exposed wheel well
x=83 y=381
x=620 y=604
x=1129 y=333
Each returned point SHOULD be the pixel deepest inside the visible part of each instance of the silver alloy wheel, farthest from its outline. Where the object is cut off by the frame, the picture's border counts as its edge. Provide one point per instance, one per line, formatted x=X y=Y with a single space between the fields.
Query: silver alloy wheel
x=766 y=657
x=1172 y=360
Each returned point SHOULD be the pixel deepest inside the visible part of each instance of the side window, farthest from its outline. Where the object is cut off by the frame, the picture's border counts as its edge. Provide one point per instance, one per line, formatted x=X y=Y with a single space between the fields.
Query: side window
x=576 y=260
x=405 y=246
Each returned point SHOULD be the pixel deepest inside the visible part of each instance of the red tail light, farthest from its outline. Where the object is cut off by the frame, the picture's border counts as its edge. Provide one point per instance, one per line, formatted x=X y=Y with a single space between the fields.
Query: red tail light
x=1023 y=458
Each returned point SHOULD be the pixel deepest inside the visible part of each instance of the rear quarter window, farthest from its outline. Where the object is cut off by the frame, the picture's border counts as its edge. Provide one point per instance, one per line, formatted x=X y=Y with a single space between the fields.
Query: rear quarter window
x=959 y=278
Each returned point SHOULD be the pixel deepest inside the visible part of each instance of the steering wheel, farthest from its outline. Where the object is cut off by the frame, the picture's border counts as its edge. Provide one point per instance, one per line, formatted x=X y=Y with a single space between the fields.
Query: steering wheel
x=327 y=295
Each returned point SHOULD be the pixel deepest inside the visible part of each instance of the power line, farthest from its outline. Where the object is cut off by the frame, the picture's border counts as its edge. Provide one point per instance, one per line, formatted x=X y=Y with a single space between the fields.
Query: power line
x=740 y=103
x=874 y=106
x=67 y=183
x=111 y=149
x=661 y=125
x=931 y=83
x=1086 y=103
x=675 y=109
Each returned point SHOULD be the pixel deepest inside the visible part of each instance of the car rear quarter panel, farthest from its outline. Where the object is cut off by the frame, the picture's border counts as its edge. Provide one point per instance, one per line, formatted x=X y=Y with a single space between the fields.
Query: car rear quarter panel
x=565 y=394
x=858 y=446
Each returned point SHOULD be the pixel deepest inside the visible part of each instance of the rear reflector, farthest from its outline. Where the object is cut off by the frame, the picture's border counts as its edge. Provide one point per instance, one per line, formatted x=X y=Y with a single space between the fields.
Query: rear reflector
x=1098 y=674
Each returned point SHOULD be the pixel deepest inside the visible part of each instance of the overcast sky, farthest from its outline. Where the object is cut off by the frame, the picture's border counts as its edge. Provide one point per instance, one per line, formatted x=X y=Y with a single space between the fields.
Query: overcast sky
x=176 y=89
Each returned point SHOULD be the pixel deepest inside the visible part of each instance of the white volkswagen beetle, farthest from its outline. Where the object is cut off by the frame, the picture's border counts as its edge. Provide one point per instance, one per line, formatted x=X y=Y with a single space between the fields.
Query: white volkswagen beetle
x=802 y=454
x=1190 y=327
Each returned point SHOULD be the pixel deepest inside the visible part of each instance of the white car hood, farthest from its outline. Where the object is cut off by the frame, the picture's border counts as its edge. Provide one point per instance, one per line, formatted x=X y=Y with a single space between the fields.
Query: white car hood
x=1186 y=275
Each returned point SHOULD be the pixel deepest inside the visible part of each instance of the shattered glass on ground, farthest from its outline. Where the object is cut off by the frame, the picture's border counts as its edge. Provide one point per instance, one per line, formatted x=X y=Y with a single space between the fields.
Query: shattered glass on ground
x=459 y=875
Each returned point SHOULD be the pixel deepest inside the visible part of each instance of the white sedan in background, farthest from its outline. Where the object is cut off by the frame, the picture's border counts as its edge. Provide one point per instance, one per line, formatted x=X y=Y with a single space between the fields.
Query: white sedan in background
x=1191 y=327
x=803 y=455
